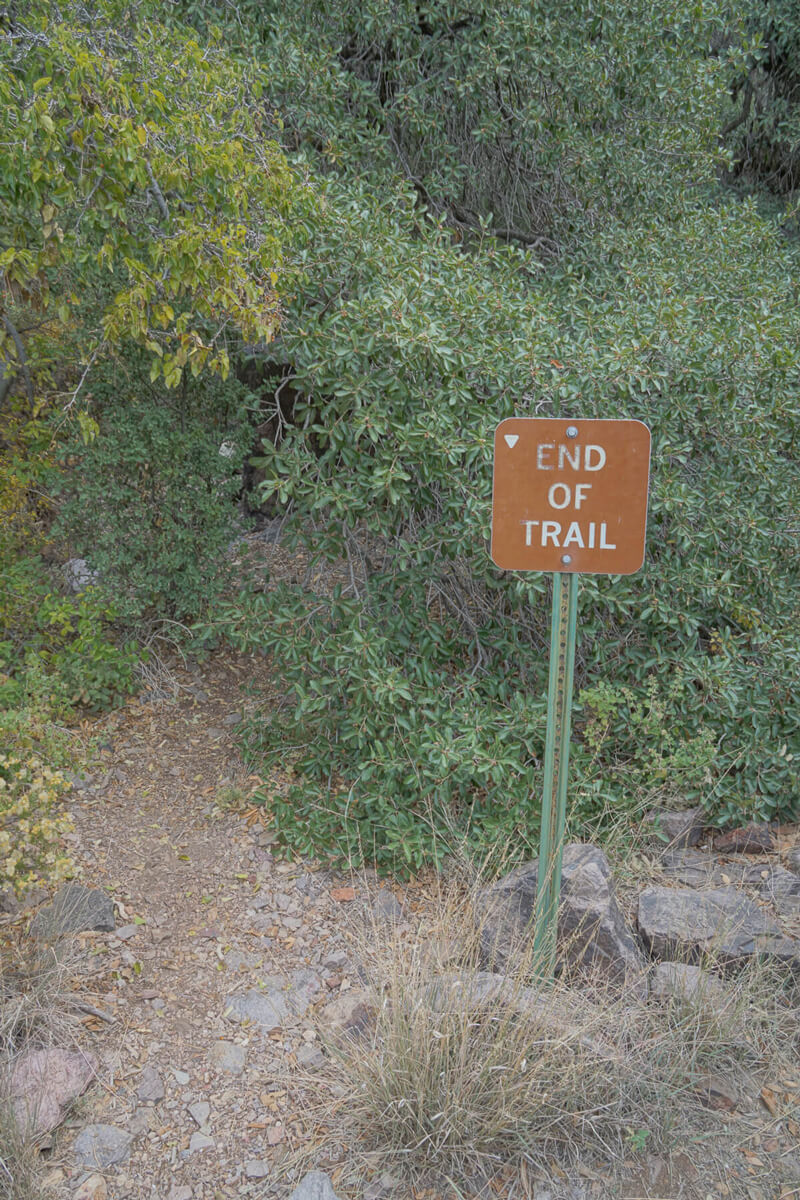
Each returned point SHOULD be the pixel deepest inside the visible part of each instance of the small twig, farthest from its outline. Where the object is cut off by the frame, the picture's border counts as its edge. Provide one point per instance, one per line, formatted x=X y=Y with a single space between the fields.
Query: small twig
x=82 y=1006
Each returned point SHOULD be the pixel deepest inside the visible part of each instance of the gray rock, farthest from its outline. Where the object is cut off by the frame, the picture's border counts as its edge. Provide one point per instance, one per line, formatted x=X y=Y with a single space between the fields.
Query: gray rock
x=677 y=830
x=305 y=988
x=268 y=1009
x=200 y=1141
x=310 y=1056
x=44 y=1083
x=793 y=859
x=677 y=923
x=78 y=575
x=775 y=882
x=180 y=1191
x=99 y=1146
x=256 y=1168
x=314 y=1186
x=693 y=868
x=200 y=1112
x=151 y=1086
x=142 y=1121
x=592 y=933
x=228 y=1057
x=126 y=932
x=75 y=909
x=691 y=987
x=386 y=907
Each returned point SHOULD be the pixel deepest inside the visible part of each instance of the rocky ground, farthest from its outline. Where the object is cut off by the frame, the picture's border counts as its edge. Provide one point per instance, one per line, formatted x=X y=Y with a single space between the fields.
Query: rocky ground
x=208 y=991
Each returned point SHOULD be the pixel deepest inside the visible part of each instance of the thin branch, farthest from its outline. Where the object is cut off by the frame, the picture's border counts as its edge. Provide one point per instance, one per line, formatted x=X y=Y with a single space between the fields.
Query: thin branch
x=21 y=359
x=157 y=193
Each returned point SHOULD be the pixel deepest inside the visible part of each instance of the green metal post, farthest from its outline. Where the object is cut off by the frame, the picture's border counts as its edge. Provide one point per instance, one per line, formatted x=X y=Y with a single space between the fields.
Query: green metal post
x=556 y=763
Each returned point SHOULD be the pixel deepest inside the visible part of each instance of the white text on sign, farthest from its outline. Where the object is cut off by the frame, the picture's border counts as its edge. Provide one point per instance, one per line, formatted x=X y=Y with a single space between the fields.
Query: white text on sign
x=592 y=535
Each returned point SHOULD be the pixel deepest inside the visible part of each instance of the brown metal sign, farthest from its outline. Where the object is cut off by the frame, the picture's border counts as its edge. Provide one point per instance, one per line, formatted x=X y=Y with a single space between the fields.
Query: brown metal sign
x=570 y=495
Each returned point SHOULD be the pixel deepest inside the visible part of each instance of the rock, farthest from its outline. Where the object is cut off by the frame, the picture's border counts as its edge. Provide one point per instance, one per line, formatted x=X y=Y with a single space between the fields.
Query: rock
x=200 y=1141
x=314 y=1186
x=775 y=882
x=268 y=1009
x=180 y=1191
x=44 y=1083
x=691 y=987
x=352 y=1013
x=181 y=1077
x=151 y=1086
x=126 y=932
x=680 y=923
x=227 y=1056
x=310 y=1056
x=256 y=1168
x=717 y=1092
x=102 y=1146
x=200 y=1112
x=386 y=907
x=142 y=1121
x=75 y=909
x=692 y=867
x=78 y=575
x=793 y=859
x=305 y=988
x=677 y=829
x=591 y=929
x=93 y=1188
x=748 y=839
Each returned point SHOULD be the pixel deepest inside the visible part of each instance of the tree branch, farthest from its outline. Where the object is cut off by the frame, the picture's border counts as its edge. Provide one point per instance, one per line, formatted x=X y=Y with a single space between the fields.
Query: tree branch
x=21 y=359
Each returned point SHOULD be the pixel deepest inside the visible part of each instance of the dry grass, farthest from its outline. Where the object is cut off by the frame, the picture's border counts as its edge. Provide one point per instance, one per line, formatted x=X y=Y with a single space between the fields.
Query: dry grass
x=464 y=1074
x=34 y=1013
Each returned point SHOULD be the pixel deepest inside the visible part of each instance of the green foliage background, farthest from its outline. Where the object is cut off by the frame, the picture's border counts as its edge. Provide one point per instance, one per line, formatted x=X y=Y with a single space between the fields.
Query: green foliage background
x=489 y=210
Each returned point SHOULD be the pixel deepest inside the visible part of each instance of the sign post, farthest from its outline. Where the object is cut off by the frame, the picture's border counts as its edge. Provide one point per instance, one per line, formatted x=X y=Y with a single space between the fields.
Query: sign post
x=568 y=497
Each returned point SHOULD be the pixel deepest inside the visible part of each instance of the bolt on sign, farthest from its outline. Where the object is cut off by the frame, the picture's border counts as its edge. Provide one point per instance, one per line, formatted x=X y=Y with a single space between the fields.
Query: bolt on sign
x=570 y=496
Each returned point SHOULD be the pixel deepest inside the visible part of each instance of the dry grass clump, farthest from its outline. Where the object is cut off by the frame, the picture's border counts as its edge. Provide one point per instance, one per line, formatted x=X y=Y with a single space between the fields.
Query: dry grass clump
x=34 y=1013
x=462 y=1073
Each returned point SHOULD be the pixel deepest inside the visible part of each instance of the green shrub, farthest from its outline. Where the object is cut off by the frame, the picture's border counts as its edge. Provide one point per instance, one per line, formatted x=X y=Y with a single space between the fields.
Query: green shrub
x=149 y=502
x=416 y=700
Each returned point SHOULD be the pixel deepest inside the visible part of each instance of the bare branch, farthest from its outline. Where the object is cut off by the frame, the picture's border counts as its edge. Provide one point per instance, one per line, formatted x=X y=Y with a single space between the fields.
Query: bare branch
x=22 y=359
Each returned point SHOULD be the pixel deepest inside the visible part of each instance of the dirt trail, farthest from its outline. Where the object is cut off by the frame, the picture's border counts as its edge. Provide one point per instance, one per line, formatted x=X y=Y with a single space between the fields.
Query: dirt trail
x=203 y=912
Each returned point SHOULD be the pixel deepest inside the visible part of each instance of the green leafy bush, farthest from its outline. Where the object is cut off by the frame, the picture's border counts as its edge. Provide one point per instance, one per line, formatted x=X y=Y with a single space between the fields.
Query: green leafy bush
x=150 y=501
x=416 y=701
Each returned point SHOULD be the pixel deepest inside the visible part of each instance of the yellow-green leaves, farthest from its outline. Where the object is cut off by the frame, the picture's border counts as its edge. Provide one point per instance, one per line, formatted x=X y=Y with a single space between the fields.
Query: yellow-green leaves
x=151 y=156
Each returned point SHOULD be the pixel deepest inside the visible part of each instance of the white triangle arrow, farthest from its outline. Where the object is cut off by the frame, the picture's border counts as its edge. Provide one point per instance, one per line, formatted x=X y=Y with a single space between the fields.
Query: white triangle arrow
x=511 y=439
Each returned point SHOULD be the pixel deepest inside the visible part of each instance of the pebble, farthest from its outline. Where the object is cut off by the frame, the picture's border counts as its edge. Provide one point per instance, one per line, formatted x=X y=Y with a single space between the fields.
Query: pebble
x=151 y=1086
x=180 y=1191
x=314 y=1186
x=181 y=1077
x=200 y=1112
x=267 y=1009
x=227 y=1056
x=200 y=1141
x=102 y=1145
x=256 y=1168
x=126 y=931
x=93 y=1188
